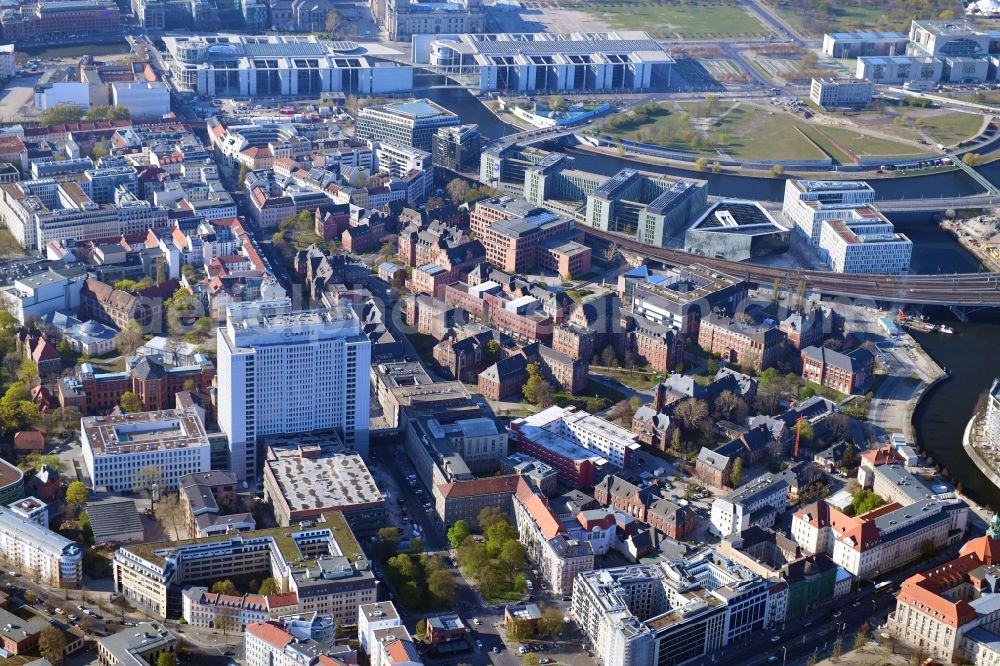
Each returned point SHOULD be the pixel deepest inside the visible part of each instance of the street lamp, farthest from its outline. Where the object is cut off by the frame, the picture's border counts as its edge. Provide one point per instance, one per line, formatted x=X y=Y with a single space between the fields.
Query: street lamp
x=784 y=654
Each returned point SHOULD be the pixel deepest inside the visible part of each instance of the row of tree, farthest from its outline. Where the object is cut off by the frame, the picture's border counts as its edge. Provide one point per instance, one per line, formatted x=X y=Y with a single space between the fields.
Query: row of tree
x=496 y=560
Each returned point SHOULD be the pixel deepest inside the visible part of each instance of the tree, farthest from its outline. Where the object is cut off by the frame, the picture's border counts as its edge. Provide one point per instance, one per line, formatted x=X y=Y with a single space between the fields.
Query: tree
x=106 y=112
x=518 y=629
x=837 y=649
x=166 y=659
x=928 y=549
x=691 y=414
x=77 y=494
x=861 y=638
x=716 y=167
x=86 y=529
x=623 y=411
x=551 y=623
x=777 y=170
x=52 y=644
x=530 y=388
x=805 y=431
x=27 y=372
x=736 y=473
x=701 y=164
x=544 y=394
x=269 y=586
x=130 y=338
x=441 y=586
x=65 y=350
x=557 y=103
x=730 y=407
x=416 y=546
x=17 y=411
x=512 y=555
x=489 y=516
x=421 y=629
x=336 y=25
x=130 y=403
x=458 y=533
x=100 y=149
x=146 y=479
x=61 y=114
x=973 y=159
x=457 y=188
x=242 y=178
x=225 y=587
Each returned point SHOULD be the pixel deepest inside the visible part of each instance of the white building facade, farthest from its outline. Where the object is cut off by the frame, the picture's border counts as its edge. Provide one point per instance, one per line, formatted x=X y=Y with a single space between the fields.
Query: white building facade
x=283 y=372
x=808 y=202
x=756 y=503
x=40 y=553
x=865 y=247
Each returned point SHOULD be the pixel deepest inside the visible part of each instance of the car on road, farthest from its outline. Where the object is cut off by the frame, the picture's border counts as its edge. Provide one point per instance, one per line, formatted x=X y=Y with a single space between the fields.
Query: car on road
x=544 y=660
x=476 y=621
x=59 y=611
x=773 y=658
x=523 y=649
x=73 y=617
x=496 y=650
x=775 y=639
x=13 y=573
x=479 y=645
x=838 y=613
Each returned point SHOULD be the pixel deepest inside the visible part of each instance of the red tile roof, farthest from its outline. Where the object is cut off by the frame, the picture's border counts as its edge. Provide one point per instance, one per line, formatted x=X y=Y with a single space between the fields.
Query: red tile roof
x=487 y=486
x=271 y=634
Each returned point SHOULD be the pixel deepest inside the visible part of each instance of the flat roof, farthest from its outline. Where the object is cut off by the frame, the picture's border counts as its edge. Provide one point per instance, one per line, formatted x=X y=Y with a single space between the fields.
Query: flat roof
x=144 y=431
x=420 y=108
x=310 y=479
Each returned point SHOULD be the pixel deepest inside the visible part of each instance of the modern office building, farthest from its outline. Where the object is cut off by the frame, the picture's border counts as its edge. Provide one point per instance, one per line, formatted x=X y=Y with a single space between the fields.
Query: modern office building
x=808 y=202
x=117 y=447
x=402 y=19
x=864 y=242
x=554 y=62
x=651 y=208
x=320 y=562
x=857 y=44
x=680 y=298
x=922 y=69
x=736 y=230
x=224 y=65
x=675 y=612
x=832 y=93
x=406 y=123
x=43 y=555
x=458 y=148
x=756 y=504
x=400 y=161
x=284 y=372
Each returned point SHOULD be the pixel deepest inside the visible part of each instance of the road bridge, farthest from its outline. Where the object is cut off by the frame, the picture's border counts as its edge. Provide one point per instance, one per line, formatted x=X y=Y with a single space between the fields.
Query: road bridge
x=959 y=290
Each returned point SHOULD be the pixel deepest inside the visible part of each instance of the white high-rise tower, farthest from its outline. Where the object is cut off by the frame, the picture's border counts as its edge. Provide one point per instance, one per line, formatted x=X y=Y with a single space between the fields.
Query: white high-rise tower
x=281 y=371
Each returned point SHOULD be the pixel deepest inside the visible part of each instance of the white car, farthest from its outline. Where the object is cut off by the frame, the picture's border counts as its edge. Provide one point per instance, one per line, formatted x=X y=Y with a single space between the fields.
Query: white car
x=476 y=621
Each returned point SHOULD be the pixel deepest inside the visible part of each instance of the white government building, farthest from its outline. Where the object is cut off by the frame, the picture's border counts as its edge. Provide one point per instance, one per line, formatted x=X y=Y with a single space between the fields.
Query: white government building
x=281 y=371
x=224 y=65
x=808 y=202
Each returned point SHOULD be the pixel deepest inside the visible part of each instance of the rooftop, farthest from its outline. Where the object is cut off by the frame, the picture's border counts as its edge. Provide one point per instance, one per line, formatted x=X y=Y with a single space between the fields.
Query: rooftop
x=143 y=431
x=313 y=478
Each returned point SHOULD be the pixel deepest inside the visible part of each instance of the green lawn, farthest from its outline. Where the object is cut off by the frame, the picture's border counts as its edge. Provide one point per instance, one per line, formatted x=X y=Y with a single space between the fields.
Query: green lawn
x=673 y=21
x=951 y=128
x=753 y=133
x=826 y=145
x=866 y=145
x=640 y=381
x=857 y=15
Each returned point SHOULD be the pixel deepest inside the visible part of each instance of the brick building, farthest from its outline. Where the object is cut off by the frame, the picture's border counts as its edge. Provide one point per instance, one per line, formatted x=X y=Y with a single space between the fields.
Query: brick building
x=101 y=301
x=677 y=522
x=807 y=329
x=155 y=384
x=627 y=497
x=518 y=236
x=753 y=345
x=463 y=500
x=847 y=373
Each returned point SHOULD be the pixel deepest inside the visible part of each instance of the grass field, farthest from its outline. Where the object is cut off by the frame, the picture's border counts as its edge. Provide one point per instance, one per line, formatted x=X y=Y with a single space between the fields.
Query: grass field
x=866 y=145
x=857 y=16
x=825 y=144
x=691 y=22
x=952 y=127
x=747 y=133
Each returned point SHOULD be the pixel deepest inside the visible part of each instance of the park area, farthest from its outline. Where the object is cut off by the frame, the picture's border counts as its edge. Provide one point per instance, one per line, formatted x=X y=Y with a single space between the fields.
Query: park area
x=668 y=19
x=749 y=131
x=812 y=19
